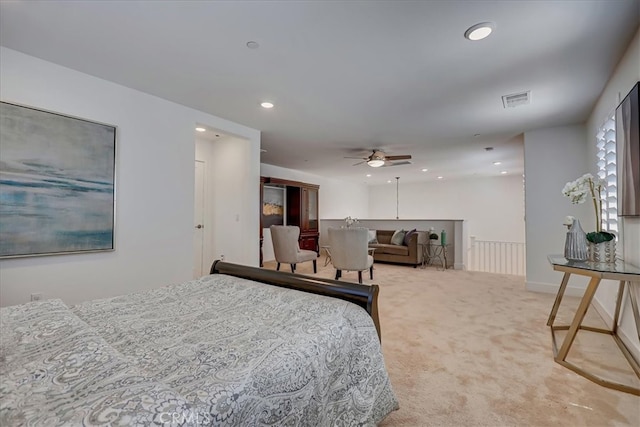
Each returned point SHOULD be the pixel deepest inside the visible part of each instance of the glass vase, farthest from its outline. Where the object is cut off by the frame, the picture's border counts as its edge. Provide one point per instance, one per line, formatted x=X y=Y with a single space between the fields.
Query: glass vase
x=602 y=252
x=575 y=245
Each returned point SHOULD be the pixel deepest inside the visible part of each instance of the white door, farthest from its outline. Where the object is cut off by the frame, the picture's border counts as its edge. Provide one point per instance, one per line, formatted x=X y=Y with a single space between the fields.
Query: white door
x=198 y=221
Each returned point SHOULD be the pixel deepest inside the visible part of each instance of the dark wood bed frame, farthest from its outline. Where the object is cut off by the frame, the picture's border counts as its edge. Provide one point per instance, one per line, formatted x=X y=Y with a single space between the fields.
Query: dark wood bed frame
x=366 y=296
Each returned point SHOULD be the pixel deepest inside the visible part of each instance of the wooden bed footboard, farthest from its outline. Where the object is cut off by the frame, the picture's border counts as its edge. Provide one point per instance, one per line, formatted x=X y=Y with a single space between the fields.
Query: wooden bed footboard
x=366 y=296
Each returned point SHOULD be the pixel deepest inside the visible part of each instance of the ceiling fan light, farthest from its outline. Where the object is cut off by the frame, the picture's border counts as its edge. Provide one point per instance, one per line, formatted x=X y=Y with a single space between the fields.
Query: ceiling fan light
x=375 y=163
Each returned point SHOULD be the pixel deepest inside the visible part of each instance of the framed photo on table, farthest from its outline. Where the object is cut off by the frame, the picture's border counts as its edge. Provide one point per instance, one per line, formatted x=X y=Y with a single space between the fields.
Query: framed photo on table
x=57 y=183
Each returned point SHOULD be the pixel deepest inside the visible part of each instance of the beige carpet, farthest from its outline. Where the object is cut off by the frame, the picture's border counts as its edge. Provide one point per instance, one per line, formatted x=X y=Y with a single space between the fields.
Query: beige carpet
x=473 y=349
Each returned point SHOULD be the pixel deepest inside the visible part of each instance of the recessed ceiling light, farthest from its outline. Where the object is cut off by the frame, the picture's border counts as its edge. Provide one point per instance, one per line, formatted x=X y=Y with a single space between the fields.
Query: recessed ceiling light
x=389 y=182
x=199 y=129
x=479 y=31
x=497 y=163
x=252 y=45
x=440 y=177
x=425 y=169
x=503 y=172
x=266 y=104
x=368 y=175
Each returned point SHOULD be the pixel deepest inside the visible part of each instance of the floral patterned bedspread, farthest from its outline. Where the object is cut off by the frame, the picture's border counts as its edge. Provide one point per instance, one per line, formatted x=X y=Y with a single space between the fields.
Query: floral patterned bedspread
x=243 y=353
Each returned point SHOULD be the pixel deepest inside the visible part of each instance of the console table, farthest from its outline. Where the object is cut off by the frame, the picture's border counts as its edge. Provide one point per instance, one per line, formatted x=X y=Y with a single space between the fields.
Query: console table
x=620 y=271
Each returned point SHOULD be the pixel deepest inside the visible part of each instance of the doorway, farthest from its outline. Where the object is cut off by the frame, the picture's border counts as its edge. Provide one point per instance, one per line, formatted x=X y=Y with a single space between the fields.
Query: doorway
x=224 y=195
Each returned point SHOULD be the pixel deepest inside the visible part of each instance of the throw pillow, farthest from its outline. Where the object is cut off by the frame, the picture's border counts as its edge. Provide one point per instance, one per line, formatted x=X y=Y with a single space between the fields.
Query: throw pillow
x=373 y=236
x=398 y=237
x=407 y=237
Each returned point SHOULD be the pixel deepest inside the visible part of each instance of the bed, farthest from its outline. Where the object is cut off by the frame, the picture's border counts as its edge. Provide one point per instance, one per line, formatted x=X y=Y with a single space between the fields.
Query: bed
x=242 y=346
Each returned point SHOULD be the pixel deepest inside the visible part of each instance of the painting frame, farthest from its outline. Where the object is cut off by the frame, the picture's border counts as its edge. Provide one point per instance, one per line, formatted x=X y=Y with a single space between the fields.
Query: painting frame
x=628 y=153
x=57 y=183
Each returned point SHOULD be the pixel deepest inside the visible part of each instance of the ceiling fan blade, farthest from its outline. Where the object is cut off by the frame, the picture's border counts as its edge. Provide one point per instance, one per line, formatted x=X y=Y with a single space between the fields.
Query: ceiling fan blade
x=401 y=157
x=359 y=163
x=387 y=164
x=359 y=158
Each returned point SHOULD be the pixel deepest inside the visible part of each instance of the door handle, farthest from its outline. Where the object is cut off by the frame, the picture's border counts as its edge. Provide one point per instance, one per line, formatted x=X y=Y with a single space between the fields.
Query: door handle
x=199 y=226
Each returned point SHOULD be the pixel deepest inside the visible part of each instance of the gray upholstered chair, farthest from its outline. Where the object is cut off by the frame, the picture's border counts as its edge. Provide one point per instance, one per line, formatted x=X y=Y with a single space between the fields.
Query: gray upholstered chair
x=287 y=249
x=350 y=251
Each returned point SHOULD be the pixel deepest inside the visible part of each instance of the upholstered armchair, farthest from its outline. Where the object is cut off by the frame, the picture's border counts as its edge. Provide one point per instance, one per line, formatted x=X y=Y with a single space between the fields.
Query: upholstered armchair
x=287 y=249
x=350 y=251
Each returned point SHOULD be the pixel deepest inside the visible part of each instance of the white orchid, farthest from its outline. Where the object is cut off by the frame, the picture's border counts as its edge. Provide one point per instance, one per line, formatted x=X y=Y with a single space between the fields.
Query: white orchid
x=575 y=192
x=587 y=186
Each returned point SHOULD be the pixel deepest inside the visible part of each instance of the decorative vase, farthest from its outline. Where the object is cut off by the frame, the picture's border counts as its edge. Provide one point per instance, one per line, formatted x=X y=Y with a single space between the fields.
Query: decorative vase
x=603 y=252
x=575 y=245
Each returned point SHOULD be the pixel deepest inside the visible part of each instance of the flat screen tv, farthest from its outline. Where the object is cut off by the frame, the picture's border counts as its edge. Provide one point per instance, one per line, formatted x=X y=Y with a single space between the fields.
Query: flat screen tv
x=628 y=153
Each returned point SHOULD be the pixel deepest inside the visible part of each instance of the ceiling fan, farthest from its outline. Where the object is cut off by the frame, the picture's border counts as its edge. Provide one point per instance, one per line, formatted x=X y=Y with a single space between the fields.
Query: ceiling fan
x=377 y=159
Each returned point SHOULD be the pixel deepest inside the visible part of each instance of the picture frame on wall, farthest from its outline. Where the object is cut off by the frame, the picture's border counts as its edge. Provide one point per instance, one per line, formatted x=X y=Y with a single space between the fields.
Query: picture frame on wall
x=57 y=183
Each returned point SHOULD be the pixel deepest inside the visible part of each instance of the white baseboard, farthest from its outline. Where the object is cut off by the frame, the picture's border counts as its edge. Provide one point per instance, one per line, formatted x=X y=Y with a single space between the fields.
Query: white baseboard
x=459 y=266
x=548 y=288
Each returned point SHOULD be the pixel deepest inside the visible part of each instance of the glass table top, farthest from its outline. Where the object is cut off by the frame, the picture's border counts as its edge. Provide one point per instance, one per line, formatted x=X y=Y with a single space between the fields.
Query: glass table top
x=619 y=266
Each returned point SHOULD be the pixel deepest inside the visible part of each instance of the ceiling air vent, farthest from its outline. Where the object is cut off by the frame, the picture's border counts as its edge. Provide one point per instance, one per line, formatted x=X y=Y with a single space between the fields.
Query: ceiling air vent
x=516 y=99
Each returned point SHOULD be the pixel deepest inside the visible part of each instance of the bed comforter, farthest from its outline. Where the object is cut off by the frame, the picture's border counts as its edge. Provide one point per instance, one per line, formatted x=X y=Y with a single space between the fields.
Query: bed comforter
x=226 y=351
x=55 y=370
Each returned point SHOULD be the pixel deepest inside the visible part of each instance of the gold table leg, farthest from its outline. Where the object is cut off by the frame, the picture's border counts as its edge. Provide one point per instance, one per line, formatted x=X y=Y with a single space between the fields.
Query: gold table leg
x=560 y=355
x=327 y=250
x=636 y=317
x=556 y=304
x=634 y=307
x=578 y=318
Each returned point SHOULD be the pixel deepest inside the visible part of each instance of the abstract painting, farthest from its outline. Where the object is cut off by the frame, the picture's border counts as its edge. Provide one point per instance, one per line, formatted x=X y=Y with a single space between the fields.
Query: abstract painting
x=57 y=176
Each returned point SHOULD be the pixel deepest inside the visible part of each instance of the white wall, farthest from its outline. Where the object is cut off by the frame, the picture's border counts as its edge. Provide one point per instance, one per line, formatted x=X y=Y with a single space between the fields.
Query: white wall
x=552 y=157
x=336 y=199
x=555 y=156
x=154 y=188
x=627 y=73
x=492 y=207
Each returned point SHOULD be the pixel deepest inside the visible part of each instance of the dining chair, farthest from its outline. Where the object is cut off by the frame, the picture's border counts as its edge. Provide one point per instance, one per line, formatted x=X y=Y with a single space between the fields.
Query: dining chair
x=287 y=249
x=350 y=250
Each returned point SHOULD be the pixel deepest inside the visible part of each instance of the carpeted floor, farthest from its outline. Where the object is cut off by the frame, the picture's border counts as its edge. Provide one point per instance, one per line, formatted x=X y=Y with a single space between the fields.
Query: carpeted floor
x=473 y=349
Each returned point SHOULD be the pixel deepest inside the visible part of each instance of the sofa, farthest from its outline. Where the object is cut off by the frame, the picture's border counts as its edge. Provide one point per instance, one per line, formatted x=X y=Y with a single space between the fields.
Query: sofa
x=385 y=251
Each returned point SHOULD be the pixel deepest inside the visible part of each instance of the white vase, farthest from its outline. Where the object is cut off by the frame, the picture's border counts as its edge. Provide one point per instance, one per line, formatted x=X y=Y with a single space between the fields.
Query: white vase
x=575 y=245
x=603 y=252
